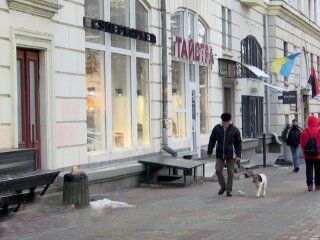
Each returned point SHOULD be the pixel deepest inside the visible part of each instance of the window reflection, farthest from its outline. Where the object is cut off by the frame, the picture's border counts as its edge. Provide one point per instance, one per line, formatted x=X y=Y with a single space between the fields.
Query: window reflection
x=120 y=14
x=121 y=104
x=202 y=32
x=141 y=24
x=143 y=100
x=178 y=100
x=95 y=100
x=203 y=80
x=177 y=24
x=94 y=9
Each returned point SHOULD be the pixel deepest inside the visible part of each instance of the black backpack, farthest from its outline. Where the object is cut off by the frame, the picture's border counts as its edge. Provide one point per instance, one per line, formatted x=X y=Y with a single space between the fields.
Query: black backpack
x=311 y=148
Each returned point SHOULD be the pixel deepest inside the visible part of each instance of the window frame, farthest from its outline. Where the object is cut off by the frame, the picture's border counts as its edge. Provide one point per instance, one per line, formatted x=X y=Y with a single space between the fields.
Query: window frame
x=185 y=30
x=251 y=54
x=108 y=50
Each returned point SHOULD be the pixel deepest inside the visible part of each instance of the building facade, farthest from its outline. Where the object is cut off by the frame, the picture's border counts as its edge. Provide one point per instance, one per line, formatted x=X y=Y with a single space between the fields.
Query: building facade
x=83 y=80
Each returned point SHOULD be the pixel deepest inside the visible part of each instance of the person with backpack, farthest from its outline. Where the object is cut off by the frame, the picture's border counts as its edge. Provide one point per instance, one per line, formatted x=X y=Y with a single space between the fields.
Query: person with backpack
x=310 y=142
x=293 y=140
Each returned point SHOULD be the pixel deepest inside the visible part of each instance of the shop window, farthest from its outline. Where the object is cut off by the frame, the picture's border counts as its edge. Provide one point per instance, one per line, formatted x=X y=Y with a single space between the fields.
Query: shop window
x=185 y=71
x=121 y=104
x=203 y=80
x=142 y=24
x=95 y=103
x=202 y=38
x=190 y=26
x=143 y=101
x=177 y=24
x=178 y=99
x=109 y=76
x=120 y=14
x=94 y=9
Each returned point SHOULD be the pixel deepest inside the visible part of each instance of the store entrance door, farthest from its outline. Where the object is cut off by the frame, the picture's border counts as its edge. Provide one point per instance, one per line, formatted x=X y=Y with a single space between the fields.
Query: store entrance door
x=28 y=101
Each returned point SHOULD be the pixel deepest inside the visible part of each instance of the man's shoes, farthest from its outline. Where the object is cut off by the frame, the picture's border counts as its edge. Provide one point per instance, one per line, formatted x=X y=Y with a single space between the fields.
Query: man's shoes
x=229 y=194
x=222 y=190
x=317 y=188
x=310 y=188
x=296 y=169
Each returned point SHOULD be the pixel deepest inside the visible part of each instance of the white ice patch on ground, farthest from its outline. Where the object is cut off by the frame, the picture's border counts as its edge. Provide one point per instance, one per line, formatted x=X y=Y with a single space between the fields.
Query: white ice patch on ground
x=108 y=203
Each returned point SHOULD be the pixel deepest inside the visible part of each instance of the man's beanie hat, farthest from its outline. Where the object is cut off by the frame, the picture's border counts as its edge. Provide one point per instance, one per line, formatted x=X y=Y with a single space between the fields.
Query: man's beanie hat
x=225 y=116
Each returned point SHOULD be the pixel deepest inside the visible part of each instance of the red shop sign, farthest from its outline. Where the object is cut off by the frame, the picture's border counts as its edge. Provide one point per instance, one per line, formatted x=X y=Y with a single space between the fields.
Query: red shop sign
x=193 y=51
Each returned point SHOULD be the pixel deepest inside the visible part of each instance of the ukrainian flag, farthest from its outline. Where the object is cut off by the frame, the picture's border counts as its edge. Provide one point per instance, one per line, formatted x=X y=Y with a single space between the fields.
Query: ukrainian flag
x=284 y=65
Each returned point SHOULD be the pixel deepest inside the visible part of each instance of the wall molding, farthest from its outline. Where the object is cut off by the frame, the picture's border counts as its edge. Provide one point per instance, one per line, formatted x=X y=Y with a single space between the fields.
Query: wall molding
x=43 y=8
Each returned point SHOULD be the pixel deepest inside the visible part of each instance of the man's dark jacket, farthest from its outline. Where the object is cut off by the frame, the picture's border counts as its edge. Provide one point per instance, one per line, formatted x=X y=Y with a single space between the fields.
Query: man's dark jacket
x=228 y=142
x=293 y=136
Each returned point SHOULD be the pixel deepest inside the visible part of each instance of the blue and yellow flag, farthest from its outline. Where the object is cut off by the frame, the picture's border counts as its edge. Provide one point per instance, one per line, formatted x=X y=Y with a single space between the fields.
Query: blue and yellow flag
x=284 y=65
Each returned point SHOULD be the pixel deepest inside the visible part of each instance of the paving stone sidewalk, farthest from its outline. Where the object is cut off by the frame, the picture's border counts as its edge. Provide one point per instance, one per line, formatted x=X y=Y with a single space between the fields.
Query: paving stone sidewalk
x=194 y=212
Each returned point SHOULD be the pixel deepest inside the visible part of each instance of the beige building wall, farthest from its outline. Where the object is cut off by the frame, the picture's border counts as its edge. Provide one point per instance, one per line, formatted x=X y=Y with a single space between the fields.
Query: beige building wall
x=58 y=35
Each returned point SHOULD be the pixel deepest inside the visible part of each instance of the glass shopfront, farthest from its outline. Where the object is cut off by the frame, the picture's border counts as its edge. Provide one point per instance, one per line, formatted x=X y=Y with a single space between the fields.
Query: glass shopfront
x=117 y=77
x=191 y=57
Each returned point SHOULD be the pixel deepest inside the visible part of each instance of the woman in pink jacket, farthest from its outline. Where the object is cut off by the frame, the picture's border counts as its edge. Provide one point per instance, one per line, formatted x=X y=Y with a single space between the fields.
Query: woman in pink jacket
x=312 y=163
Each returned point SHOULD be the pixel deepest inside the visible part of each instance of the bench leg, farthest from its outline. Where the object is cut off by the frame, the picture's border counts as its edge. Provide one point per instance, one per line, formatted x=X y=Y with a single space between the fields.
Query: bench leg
x=203 y=175
x=44 y=190
x=5 y=209
x=17 y=207
x=195 y=173
x=184 y=177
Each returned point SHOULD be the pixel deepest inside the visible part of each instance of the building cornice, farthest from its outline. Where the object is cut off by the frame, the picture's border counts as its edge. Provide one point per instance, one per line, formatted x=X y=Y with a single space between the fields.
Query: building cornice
x=294 y=17
x=259 y=5
x=43 y=8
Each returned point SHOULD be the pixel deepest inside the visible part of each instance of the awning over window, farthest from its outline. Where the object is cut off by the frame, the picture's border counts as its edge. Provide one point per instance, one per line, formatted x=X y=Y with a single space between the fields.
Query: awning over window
x=280 y=89
x=233 y=69
x=257 y=71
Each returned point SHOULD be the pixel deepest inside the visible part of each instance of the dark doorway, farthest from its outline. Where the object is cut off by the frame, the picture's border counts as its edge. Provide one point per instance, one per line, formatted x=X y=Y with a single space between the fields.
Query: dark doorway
x=252 y=116
x=28 y=101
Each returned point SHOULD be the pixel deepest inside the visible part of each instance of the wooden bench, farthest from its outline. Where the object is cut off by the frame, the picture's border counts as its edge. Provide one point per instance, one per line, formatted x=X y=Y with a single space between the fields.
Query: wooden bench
x=188 y=168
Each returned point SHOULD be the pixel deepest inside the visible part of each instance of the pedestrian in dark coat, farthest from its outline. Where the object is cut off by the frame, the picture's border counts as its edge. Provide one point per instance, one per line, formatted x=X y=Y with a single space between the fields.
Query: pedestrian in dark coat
x=312 y=163
x=293 y=140
x=228 y=142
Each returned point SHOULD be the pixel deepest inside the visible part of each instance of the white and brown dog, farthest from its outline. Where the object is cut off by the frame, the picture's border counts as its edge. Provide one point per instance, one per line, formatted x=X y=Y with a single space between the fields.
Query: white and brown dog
x=260 y=180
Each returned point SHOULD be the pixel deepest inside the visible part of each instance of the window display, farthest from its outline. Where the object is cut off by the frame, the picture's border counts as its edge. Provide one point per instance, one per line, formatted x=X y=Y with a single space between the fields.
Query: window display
x=178 y=100
x=143 y=101
x=203 y=81
x=121 y=104
x=110 y=76
x=95 y=101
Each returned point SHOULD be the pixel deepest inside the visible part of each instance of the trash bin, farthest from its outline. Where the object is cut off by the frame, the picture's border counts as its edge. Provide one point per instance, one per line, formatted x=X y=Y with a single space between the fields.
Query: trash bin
x=75 y=189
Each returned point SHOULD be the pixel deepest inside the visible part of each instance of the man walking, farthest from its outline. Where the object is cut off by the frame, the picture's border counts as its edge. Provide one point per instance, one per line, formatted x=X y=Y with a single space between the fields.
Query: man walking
x=293 y=140
x=228 y=140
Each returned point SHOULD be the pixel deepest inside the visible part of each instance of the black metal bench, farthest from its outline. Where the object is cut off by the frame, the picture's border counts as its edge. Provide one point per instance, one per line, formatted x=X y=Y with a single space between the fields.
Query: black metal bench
x=188 y=167
x=19 y=180
x=20 y=188
x=17 y=160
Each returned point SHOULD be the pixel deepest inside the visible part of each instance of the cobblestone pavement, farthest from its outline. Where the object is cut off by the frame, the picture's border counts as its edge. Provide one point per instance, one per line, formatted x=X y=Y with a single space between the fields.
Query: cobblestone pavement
x=194 y=212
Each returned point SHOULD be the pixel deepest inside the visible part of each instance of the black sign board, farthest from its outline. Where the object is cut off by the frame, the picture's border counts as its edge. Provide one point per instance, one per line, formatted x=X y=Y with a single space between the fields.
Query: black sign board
x=289 y=97
x=119 y=30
